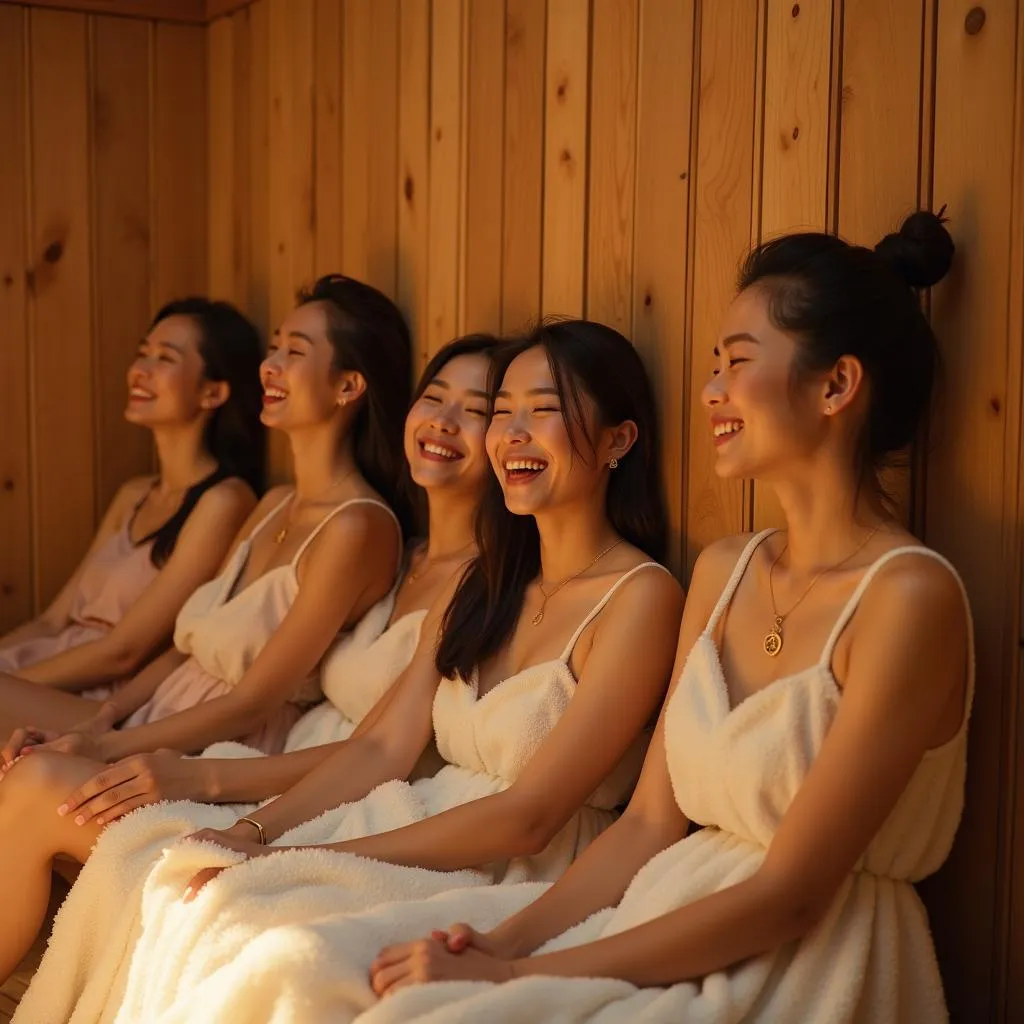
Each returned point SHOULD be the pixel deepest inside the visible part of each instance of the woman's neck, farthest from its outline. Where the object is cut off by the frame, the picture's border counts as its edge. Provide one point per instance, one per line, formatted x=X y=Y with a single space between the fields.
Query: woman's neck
x=320 y=461
x=827 y=514
x=570 y=538
x=450 y=523
x=182 y=458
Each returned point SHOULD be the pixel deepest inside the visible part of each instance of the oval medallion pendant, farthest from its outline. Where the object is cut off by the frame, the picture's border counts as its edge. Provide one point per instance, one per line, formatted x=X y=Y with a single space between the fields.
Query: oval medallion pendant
x=538 y=618
x=773 y=640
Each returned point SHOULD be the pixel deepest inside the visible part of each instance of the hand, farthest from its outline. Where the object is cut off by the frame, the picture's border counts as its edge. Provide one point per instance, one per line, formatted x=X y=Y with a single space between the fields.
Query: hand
x=20 y=742
x=78 y=743
x=461 y=936
x=415 y=963
x=234 y=838
x=130 y=783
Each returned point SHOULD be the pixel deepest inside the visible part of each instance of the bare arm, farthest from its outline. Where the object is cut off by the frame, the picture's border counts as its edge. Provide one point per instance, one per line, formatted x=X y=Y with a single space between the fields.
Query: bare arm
x=899 y=688
x=58 y=615
x=336 y=579
x=149 y=623
x=620 y=687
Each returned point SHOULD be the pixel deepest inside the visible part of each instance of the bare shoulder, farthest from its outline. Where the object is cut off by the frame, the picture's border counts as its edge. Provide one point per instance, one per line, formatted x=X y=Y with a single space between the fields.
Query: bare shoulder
x=128 y=495
x=231 y=496
x=916 y=589
x=273 y=497
x=359 y=525
x=651 y=588
x=716 y=562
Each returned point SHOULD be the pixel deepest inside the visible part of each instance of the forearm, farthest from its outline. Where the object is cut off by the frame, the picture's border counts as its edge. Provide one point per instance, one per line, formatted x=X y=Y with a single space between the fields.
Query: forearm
x=597 y=879
x=357 y=767
x=31 y=630
x=251 y=779
x=708 y=935
x=130 y=697
x=479 y=832
x=103 y=660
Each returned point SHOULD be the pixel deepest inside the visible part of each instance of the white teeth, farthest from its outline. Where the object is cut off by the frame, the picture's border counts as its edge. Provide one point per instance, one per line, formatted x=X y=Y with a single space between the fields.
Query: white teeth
x=730 y=427
x=529 y=464
x=275 y=393
x=140 y=393
x=436 y=449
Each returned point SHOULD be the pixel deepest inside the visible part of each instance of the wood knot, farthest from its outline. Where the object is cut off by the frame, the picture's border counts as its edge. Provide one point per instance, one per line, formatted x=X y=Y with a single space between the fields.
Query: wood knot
x=437 y=135
x=975 y=21
x=796 y=11
x=565 y=157
x=683 y=175
x=995 y=405
x=8 y=485
x=408 y=188
x=7 y=589
x=796 y=134
x=647 y=299
x=8 y=280
x=562 y=90
x=53 y=252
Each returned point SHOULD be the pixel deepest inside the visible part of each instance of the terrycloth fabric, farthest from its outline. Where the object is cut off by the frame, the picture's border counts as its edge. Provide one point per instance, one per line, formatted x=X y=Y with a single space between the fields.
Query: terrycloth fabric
x=224 y=629
x=870 y=961
x=111 y=582
x=100 y=959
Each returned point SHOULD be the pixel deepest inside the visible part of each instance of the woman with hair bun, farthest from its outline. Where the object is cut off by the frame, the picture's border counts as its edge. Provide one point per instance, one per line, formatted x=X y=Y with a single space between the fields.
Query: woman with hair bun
x=194 y=384
x=817 y=726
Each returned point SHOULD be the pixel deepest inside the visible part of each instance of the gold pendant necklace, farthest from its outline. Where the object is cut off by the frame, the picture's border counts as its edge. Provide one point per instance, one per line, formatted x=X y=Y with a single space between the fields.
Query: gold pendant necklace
x=428 y=563
x=773 y=641
x=539 y=617
x=283 y=532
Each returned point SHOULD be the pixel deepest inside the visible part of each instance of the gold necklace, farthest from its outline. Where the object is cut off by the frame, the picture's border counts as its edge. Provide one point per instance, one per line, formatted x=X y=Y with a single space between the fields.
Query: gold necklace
x=428 y=563
x=283 y=532
x=773 y=638
x=539 y=617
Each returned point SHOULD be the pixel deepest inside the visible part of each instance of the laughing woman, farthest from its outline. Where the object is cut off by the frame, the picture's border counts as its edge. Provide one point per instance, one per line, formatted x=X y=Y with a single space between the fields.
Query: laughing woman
x=514 y=677
x=194 y=384
x=817 y=727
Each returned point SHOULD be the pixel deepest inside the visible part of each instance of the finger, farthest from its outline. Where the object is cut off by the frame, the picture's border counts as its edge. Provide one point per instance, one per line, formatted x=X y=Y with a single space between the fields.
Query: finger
x=105 y=801
x=115 y=775
x=121 y=809
x=459 y=937
x=199 y=881
x=383 y=980
x=393 y=955
x=19 y=739
x=406 y=981
x=439 y=936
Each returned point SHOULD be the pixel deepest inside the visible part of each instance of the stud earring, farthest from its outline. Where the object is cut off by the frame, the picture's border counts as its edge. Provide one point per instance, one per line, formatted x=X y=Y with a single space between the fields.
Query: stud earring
x=613 y=463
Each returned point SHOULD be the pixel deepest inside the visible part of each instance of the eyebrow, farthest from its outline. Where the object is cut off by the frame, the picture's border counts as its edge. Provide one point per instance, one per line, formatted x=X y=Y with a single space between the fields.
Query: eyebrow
x=163 y=344
x=437 y=382
x=533 y=392
x=733 y=338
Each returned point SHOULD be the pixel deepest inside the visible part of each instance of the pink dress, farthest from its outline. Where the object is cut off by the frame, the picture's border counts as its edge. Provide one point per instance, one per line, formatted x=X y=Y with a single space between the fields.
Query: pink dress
x=111 y=582
x=223 y=632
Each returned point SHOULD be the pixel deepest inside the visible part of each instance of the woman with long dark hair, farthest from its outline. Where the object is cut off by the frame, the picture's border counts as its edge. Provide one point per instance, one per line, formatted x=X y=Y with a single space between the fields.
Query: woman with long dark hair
x=522 y=665
x=311 y=560
x=194 y=384
x=817 y=726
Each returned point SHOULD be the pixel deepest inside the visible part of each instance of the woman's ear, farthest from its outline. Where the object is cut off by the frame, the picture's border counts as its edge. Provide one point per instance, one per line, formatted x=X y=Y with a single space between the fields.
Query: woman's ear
x=215 y=394
x=350 y=387
x=842 y=385
x=618 y=441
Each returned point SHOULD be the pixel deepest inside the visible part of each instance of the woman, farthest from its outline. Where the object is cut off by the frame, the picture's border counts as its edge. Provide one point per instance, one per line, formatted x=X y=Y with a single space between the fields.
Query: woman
x=194 y=384
x=310 y=562
x=444 y=448
x=816 y=728
x=530 y=665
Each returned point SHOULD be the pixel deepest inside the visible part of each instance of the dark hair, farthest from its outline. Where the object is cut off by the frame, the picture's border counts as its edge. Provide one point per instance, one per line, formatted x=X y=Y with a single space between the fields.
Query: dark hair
x=469 y=345
x=230 y=348
x=589 y=358
x=842 y=299
x=371 y=337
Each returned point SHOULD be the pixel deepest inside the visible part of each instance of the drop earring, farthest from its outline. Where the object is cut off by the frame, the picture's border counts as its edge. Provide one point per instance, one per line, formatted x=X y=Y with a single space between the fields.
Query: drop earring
x=613 y=463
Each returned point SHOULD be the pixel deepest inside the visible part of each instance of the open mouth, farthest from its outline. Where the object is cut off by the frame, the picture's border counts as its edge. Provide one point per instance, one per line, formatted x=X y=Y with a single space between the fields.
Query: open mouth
x=434 y=452
x=137 y=394
x=725 y=430
x=523 y=471
x=271 y=396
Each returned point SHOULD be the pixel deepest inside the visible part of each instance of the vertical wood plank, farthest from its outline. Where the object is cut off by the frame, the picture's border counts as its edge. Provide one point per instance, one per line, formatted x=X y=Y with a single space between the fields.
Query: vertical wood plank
x=258 y=159
x=179 y=172
x=370 y=147
x=662 y=230
x=241 y=235
x=61 y=313
x=794 y=184
x=565 y=157
x=414 y=161
x=328 y=43
x=481 y=288
x=966 y=473
x=16 y=603
x=447 y=56
x=220 y=47
x=121 y=196
x=723 y=190
x=612 y=163
x=525 y=27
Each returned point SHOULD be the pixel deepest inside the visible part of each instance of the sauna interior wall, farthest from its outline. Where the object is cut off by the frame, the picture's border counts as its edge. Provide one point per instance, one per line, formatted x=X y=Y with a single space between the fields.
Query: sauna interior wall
x=487 y=161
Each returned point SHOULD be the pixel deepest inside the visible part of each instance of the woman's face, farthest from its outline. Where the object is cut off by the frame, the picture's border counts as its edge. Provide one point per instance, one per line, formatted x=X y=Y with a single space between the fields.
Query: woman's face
x=762 y=418
x=166 y=382
x=446 y=427
x=529 y=444
x=300 y=384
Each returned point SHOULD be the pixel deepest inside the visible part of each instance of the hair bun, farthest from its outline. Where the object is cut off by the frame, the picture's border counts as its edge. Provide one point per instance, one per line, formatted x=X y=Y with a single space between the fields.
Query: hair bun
x=921 y=251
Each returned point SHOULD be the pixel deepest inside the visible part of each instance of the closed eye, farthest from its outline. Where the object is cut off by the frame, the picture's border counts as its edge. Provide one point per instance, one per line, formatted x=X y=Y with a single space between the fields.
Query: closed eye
x=734 y=362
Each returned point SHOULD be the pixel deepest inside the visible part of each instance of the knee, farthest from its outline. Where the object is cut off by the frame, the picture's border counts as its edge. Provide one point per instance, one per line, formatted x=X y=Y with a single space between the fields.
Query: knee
x=35 y=783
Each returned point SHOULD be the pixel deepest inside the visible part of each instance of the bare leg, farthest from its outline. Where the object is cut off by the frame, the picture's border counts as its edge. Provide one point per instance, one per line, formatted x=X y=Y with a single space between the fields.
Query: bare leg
x=32 y=834
x=25 y=703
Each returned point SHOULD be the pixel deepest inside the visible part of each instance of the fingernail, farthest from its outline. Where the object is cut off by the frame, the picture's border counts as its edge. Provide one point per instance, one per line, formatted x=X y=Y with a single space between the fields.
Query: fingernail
x=62 y=810
x=80 y=820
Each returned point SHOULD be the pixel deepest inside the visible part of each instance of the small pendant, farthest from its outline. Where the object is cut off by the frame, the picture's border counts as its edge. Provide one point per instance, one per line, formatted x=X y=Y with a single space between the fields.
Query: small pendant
x=773 y=639
x=538 y=618
x=280 y=535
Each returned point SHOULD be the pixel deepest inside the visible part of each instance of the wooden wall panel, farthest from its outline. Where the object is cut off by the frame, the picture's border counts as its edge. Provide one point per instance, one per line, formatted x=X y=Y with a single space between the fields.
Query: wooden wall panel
x=16 y=595
x=259 y=162
x=221 y=155
x=328 y=43
x=64 y=451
